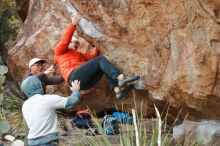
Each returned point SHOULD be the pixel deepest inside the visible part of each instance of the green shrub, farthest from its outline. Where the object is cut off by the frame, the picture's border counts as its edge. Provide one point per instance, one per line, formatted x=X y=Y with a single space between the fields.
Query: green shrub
x=9 y=22
x=4 y=125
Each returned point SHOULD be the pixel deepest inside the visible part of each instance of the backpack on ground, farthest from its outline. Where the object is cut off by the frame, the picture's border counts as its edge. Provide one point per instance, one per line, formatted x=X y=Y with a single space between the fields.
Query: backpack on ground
x=82 y=119
x=124 y=118
x=110 y=125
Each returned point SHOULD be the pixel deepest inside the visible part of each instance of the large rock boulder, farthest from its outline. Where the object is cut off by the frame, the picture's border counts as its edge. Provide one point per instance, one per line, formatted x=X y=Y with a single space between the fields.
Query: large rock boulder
x=205 y=133
x=172 y=45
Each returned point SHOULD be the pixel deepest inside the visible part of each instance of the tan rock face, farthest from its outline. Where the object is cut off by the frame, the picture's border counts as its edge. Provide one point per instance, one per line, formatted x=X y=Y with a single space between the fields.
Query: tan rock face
x=172 y=45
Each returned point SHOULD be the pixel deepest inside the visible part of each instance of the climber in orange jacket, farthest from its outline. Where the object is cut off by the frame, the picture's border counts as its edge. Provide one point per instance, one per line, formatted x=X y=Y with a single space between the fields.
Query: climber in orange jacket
x=88 y=68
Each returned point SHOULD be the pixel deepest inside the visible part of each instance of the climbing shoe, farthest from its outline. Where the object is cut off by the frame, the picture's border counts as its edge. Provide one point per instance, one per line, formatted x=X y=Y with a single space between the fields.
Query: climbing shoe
x=123 y=91
x=128 y=80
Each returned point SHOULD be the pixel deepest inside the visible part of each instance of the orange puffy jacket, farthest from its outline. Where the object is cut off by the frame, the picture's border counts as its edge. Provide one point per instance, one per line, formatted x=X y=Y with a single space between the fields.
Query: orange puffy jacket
x=69 y=59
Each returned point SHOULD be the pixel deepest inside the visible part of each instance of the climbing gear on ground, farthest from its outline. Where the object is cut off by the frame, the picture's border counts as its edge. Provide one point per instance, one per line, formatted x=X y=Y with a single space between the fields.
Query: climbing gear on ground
x=82 y=119
x=124 y=118
x=110 y=125
x=128 y=80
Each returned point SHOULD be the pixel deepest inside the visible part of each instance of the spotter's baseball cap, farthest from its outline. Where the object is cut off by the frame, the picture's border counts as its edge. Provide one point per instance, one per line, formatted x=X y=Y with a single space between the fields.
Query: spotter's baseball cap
x=35 y=60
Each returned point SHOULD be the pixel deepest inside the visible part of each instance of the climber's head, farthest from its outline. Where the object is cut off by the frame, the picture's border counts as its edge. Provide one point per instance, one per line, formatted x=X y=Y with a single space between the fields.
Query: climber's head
x=74 y=44
x=31 y=86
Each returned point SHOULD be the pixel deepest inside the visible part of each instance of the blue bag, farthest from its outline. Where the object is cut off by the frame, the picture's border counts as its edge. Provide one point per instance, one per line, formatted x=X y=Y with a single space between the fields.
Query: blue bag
x=124 y=118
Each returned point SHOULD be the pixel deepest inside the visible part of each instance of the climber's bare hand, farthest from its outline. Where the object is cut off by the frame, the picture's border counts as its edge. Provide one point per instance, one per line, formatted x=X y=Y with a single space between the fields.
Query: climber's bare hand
x=75 y=18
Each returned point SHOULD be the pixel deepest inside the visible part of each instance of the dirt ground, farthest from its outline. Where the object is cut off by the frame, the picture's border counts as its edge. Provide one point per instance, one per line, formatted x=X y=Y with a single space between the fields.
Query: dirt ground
x=72 y=136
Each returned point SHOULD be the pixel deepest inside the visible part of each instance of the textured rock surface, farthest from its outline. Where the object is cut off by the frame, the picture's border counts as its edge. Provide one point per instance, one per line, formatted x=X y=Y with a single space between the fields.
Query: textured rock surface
x=22 y=8
x=173 y=45
x=205 y=133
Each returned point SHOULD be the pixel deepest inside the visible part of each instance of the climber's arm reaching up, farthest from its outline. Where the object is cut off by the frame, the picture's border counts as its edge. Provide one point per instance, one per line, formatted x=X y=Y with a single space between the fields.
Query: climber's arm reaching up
x=62 y=46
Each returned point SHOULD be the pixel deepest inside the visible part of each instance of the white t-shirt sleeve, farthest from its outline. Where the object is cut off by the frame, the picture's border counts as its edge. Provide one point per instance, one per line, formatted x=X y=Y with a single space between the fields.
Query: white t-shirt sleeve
x=57 y=102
